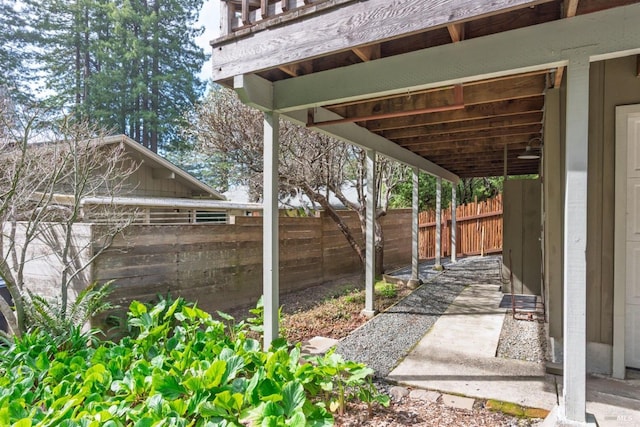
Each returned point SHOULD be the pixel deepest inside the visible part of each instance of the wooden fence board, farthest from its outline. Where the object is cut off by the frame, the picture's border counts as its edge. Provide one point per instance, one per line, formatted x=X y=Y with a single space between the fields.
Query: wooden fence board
x=478 y=229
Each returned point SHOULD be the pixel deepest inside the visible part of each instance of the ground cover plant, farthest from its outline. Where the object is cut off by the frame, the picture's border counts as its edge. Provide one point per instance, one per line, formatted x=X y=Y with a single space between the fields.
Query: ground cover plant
x=337 y=314
x=178 y=367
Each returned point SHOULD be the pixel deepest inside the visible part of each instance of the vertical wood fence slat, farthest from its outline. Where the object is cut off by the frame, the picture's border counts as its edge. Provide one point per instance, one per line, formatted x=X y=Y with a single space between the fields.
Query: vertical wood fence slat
x=479 y=229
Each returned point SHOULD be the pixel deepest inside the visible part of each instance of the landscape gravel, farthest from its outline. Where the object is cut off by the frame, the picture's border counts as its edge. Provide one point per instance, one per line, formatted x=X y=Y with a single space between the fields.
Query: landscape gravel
x=385 y=340
x=523 y=340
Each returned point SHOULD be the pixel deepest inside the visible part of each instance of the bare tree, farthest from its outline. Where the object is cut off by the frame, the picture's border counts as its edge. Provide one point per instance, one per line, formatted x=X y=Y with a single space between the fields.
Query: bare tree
x=310 y=162
x=49 y=168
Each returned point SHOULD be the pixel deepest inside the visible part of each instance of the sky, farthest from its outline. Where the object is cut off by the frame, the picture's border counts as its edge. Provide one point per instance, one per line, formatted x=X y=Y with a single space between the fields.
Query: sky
x=210 y=19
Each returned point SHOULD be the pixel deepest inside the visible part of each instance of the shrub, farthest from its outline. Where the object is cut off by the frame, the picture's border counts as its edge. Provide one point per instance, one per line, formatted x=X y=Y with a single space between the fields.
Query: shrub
x=387 y=290
x=178 y=367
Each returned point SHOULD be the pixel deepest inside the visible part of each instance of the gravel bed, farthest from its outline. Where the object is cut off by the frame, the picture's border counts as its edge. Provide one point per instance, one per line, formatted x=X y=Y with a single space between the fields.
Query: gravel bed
x=386 y=339
x=522 y=340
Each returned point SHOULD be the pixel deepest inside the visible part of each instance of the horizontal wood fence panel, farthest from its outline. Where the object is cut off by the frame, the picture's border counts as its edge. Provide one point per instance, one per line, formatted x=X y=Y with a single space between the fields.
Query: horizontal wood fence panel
x=220 y=266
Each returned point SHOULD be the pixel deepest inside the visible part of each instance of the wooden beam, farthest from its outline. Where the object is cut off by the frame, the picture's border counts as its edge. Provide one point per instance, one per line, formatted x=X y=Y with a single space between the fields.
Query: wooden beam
x=367 y=53
x=464 y=126
x=415 y=227
x=354 y=134
x=606 y=34
x=270 y=231
x=558 y=78
x=264 y=9
x=254 y=91
x=438 y=242
x=298 y=69
x=456 y=31
x=452 y=148
x=285 y=5
x=479 y=111
x=492 y=91
x=469 y=135
x=570 y=8
x=366 y=21
x=370 y=237
x=575 y=239
x=458 y=104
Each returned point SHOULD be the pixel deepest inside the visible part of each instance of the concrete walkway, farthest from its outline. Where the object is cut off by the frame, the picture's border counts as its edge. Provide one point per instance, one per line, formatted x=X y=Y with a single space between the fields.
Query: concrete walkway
x=457 y=356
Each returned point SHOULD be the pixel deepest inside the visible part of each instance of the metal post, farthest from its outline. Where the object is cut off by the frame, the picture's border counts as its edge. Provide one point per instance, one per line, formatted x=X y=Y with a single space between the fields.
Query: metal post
x=438 y=263
x=453 y=222
x=575 y=238
x=370 y=273
x=270 y=247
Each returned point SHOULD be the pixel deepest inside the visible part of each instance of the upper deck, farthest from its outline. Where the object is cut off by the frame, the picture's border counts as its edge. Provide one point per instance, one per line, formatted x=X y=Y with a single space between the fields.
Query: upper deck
x=413 y=57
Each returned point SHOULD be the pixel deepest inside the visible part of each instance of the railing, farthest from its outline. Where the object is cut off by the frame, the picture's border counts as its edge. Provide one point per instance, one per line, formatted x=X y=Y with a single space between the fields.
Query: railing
x=160 y=216
x=238 y=14
x=478 y=229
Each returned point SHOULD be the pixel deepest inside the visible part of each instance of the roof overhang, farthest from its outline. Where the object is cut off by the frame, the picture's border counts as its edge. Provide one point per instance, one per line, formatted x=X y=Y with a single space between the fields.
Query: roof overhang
x=174 y=203
x=156 y=161
x=541 y=48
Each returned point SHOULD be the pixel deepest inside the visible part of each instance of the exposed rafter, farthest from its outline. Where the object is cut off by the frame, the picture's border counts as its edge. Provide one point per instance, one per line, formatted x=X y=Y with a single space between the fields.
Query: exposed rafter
x=367 y=53
x=456 y=31
x=525 y=49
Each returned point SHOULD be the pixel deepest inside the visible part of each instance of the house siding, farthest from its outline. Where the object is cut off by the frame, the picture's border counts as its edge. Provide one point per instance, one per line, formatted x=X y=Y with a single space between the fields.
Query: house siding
x=143 y=184
x=613 y=82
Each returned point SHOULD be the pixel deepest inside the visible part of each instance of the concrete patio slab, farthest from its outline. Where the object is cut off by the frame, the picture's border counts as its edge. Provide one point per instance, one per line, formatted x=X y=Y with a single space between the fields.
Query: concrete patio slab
x=458 y=402
x=457 y=356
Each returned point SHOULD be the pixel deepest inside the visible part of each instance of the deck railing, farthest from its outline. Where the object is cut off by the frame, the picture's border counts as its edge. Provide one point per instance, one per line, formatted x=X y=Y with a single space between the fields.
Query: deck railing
x=239 y=14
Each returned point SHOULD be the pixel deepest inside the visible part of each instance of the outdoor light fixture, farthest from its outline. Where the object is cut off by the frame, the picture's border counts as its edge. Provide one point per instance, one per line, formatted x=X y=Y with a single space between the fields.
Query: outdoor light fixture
x=528 y=153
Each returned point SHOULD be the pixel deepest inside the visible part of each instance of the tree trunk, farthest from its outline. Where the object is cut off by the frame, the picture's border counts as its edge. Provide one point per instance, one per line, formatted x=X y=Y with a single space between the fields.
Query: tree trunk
x=344 y=228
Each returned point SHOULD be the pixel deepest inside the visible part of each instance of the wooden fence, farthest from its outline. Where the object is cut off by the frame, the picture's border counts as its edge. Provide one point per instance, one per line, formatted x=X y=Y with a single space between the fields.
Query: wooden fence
x=220 y=265
x=478 y=229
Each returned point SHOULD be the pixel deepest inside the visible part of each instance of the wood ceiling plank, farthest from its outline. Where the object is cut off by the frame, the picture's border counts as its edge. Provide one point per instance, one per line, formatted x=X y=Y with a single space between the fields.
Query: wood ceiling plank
x=463 y=126
x=487 y=144
x=492 y=91
x=439 y=140
x=479 y=111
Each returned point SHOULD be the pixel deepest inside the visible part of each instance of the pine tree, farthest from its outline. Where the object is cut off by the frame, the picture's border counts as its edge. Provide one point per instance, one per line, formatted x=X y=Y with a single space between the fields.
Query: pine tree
x=129 y=65
x=14 y=78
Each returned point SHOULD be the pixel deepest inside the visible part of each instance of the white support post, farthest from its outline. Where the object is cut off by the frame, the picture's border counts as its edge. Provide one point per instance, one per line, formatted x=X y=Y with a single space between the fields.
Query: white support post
x=438 y=263
x=270 y=247
x=370 y=244
x=573 y=408
x=415 y=248
x=454 y=205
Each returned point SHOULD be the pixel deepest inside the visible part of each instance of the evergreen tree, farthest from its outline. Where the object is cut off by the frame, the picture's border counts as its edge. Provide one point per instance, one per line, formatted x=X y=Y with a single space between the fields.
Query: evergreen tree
x=14 y=78
x=128 y=65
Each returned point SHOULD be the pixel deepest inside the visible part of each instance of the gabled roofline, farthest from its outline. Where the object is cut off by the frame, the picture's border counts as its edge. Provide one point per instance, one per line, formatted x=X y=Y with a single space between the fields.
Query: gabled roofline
x=145 y=152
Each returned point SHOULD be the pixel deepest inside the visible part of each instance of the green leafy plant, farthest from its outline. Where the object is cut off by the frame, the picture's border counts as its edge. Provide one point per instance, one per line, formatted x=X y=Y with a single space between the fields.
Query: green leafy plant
x=177 y=367
x=387 y=290
x=56 y=318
